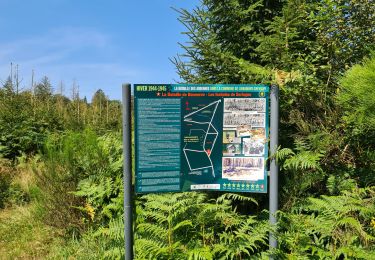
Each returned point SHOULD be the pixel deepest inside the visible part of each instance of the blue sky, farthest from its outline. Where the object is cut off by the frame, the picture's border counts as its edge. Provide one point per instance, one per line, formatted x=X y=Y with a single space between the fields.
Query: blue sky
x=97 y=43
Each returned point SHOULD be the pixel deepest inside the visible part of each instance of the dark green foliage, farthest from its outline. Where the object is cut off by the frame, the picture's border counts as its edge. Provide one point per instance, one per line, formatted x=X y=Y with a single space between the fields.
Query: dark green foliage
x=8 y=87
x=21 y=130
x=26 y=118
x=331 y=227
x=43 y=90
x=82 y=191
x=58 y=178
x=297 y=44
x=82 y=177
x=302 y=46
x=189 y=226
x=101 y=185
x=5 y=182
x=356 y=98
x=11 y=192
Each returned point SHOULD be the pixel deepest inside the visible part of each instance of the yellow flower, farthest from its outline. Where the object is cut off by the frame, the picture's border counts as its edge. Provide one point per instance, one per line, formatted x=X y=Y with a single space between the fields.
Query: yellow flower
x=90 y=211
x=373 y=222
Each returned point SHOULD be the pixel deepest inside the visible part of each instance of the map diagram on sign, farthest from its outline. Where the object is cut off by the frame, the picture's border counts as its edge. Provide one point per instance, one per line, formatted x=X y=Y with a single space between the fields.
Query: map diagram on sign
x=201 y=138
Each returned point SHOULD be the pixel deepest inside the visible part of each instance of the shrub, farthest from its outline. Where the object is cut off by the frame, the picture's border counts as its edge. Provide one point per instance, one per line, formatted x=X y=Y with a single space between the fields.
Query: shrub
x=81 y=179
x=5 y=181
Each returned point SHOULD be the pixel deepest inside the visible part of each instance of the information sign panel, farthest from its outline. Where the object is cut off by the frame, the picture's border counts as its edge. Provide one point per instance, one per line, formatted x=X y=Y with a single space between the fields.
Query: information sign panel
x=201 y=137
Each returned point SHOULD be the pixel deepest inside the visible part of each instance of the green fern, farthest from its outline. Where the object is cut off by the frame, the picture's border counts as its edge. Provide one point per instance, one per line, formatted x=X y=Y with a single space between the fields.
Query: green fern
x=236 y=197
x=304 y=160
x=331 y=226
x=283 y=154
x=190 y=226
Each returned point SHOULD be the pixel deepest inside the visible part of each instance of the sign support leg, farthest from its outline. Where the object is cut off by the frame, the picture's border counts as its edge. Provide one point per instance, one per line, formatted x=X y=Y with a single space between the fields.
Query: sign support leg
x=274 y=168
x=128 y=216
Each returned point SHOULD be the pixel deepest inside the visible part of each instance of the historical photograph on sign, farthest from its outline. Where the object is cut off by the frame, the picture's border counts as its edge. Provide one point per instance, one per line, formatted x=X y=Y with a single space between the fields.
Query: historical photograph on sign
x=237 y=119
x=254 y=144
x=245 y=104
x=229 y=136
x=243 y=168
x=251 y=147
x=243 y=130
x=259 y=133
x=231 y=149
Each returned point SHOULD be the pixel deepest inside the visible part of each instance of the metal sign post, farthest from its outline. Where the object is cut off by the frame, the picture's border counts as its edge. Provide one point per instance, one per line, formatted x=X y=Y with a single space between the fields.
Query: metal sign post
x=128 y=205
x=274 y=169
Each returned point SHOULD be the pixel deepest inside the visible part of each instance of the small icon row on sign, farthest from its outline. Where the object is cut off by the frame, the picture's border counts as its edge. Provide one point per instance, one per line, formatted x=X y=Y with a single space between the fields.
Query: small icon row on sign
x=243 y=186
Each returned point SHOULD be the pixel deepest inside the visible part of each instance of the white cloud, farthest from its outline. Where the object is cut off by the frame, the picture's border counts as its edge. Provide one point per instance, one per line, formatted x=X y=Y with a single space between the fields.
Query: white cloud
x=86 y=55
x=67 y=54
x=62 y=40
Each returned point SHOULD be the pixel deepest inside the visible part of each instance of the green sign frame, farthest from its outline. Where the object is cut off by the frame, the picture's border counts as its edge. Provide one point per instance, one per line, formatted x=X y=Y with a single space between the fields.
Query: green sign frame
x=201 y=137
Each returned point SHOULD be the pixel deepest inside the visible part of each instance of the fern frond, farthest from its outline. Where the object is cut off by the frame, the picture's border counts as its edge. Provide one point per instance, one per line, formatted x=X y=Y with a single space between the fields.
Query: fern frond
x=149 y=249
x=181 y=224
x=154 y=230
x=203 y=253
x=283 y=154
x=236 y=197
x=305 y=160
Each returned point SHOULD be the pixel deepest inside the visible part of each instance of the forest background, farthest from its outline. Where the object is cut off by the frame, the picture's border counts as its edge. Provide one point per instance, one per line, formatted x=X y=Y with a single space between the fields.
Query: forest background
x=61 y=193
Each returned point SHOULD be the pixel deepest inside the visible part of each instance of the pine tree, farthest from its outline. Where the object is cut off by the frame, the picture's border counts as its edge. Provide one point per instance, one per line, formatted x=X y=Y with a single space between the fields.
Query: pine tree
x=98 y=102
x=8 y=87
x=43 y=89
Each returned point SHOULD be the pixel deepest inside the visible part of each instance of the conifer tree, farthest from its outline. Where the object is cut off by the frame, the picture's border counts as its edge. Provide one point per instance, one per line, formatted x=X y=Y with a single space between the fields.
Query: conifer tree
x=8 y=86
x=43 y=89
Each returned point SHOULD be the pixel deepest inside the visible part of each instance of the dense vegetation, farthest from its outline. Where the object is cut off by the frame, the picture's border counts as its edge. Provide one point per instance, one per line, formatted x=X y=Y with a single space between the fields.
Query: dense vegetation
x=61 y=166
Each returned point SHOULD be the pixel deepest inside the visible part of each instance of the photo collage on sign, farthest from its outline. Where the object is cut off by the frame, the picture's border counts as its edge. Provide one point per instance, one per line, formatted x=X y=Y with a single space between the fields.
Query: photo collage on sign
x=244 y=138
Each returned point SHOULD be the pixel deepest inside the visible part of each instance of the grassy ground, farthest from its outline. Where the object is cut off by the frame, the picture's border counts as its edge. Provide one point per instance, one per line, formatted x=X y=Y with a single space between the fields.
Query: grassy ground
x=24 y=237
x=22 y=233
